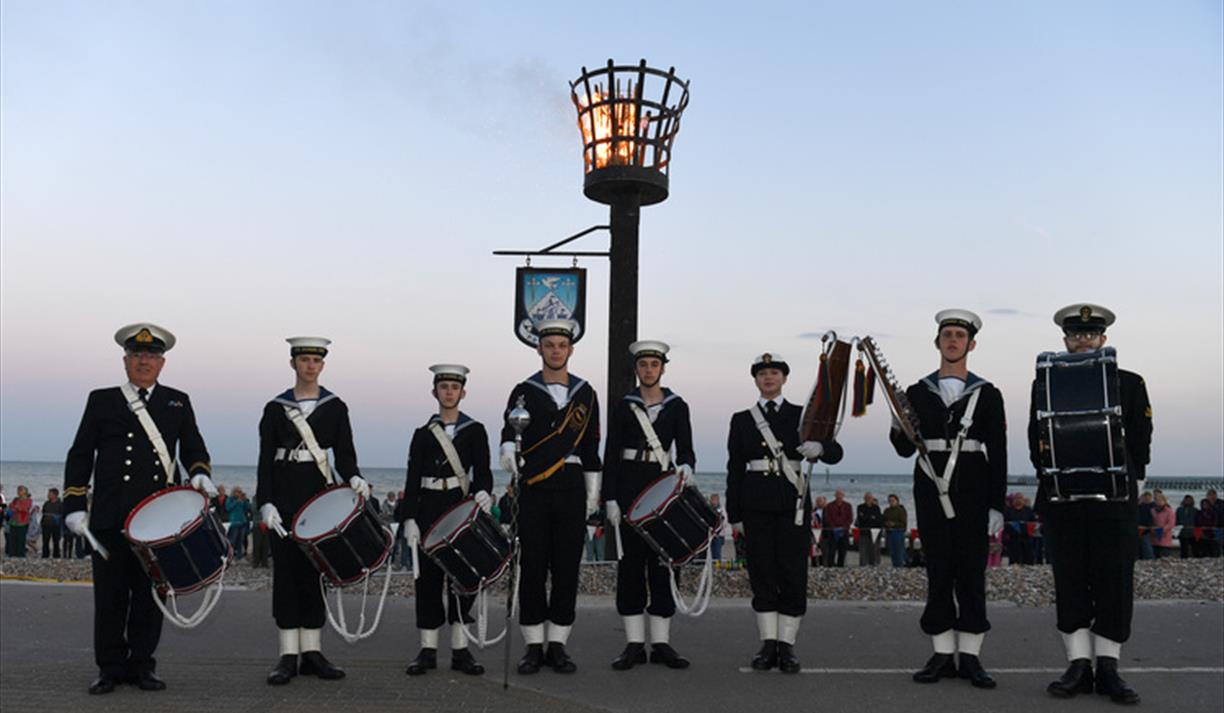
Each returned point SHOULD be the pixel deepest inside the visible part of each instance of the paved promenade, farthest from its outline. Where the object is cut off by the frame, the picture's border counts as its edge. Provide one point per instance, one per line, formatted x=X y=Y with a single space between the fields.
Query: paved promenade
x=856 y=657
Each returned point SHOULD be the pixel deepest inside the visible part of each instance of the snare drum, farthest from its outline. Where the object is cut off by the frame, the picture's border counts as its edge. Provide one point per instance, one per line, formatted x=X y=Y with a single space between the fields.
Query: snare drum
x=469 y=545
x=1081 y=441
x=677 y=522
x=178 y=540
x=341 y=536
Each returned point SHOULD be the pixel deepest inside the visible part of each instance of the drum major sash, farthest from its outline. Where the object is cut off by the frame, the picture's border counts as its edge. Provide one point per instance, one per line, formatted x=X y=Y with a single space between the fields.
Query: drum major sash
x=141 y=411
x=546 y=456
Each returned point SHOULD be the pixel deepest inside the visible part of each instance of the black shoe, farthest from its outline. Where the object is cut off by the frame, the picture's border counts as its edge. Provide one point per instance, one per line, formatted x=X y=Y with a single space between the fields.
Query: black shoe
x=285 y=670
x=532 y=660
x=971 y=668
x=1109 y=683
x=665 y=654
x=314 y=664
x=148 y=681
x=787 y=661
x=462 y=660
x=427 y=659
x=103 y=684
x=558 y=659
x=767 y=657
x=1077 y=679
x=937 y=667
x=634 y=653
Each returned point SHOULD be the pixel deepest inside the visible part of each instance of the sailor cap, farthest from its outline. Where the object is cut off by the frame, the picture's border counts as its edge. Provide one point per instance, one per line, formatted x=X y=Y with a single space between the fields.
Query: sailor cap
x=308 y=345
x=1084 y=317
x=959 y=318
x=144 y=337
x=450 y=372
x=550 y=327
x=770 y=360
x=649 y=348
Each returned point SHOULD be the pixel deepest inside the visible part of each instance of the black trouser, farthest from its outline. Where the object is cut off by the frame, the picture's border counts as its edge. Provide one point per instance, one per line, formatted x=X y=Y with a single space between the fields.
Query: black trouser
x=833 y=546
x=777 y=561
x=51 y=536
x=638 y=570
x=552 y=533
x=431 y=610
x=1094 y=566
x=127 y=622
x=955 y=552
x=297 y=600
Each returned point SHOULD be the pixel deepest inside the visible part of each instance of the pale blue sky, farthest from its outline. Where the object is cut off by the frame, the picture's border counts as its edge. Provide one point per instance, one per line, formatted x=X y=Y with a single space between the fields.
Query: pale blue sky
x=240 y=172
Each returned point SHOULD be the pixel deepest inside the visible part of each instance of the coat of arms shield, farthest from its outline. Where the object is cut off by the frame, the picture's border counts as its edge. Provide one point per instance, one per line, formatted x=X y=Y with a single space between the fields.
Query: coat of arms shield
x=548 y=293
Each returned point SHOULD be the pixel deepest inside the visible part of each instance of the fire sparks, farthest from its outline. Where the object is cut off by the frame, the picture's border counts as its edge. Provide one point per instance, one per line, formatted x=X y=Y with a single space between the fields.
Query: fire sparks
x=610 y=126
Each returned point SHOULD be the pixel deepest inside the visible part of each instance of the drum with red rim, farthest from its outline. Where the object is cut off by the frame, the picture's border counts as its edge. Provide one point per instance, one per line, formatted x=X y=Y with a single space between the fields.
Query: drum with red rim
x=469 y=545
x=178 y=540
x=341 y=535
x=677 y=522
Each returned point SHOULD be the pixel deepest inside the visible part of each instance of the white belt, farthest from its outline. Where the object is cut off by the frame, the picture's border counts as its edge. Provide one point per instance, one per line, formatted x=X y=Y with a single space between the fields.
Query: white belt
x=766 y=465
x=634 y=454
x=440 y=483
x=294 y=455
x=941 y=445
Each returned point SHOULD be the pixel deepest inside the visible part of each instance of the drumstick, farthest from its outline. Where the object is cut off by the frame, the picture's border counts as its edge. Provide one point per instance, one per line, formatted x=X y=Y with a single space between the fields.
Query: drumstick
x=279 y=529
x=620 y=549
x=93 y=542
x=416 y=563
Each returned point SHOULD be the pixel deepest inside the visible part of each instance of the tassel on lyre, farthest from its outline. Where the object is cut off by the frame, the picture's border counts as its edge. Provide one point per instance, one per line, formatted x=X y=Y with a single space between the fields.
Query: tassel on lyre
x=860 y=404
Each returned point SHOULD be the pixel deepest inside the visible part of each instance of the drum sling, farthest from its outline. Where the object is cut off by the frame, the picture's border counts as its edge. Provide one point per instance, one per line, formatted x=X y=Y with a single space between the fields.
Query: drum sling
x=308 y=439
x=452 y=456
x=141 y=412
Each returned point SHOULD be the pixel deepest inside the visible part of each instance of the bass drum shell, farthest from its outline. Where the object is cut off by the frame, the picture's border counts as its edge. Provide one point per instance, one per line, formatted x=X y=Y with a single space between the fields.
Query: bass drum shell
x=341 y=536
x=677 y=522
x=469 y=546
x=178 y=540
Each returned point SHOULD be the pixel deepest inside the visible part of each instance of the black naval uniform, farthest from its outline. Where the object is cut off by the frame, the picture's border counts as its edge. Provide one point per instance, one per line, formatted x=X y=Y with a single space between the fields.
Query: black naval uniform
x=552 y=511
x=428 y=468
x=297 y=601
x=1094 y=543
x=765 y=503
x=956 y=549
x=111 y=445
x=625 y=478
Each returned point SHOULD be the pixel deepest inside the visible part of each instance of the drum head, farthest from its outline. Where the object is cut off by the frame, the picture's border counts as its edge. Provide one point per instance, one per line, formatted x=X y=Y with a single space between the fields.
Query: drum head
x=325 y=513
x=450 y=523
x=654 y=496
x=165 y=514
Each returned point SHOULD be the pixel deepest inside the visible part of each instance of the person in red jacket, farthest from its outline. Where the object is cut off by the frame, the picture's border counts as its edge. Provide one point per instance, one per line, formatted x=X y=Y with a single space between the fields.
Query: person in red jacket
x=838 y=519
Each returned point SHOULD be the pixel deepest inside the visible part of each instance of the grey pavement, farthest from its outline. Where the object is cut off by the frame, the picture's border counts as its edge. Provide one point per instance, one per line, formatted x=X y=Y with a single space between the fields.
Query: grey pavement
x=856 y=657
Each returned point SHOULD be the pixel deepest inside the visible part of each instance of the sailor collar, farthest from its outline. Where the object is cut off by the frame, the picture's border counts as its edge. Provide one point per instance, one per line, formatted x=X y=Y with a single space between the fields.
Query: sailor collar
x=972 y=382
x=575 y=383
x=463 y=422
x=286 y=399
x=636 y=397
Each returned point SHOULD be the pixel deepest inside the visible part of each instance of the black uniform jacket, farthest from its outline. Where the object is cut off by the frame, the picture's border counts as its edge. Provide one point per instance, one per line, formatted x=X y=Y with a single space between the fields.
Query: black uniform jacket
x=624 y=480
x=980 y=480
x=546 y=418
x=126 y=467
x=1136 y=425
x=427 y=460
x=287 y=484
x=755 y=490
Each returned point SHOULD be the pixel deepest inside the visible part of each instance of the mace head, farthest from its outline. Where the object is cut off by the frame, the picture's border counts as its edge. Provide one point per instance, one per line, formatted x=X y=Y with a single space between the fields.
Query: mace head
x=519 y=417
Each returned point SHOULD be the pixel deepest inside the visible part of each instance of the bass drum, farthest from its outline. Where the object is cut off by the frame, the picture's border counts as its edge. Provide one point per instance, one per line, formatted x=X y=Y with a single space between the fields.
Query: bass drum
x=677 y=522
x=469 y=545
x=341 y=536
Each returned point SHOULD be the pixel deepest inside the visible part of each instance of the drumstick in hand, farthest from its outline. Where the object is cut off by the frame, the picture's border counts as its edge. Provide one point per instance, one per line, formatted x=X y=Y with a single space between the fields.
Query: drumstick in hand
x=416 y=563
x=93 y=542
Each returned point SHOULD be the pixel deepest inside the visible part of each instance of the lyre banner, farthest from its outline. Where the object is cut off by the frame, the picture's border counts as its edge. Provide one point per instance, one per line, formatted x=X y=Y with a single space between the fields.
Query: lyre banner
x=548 y=293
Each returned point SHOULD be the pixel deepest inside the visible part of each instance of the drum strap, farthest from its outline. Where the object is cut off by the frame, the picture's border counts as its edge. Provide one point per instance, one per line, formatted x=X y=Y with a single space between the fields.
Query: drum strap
x=452 y=456
x=942 y=483
x=652 y=438
x=780 y=458
x=146 y=422
x=312 y=444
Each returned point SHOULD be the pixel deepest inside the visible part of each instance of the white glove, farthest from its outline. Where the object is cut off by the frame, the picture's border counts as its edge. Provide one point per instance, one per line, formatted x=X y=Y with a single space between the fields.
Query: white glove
x=593 y=479
x=994 y=523
x=508 y=461
x=412 y=533
x=811 y=450
x=271 y=517
x=359 y=484
x=75 y=522
x=737 y=529
x=613 y=511
x=204 y=484
x=685 y=471
x=483 y=500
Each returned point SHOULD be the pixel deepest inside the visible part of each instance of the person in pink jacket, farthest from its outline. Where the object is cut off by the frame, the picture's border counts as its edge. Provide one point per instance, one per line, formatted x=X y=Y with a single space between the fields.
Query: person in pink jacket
x=1163 y=520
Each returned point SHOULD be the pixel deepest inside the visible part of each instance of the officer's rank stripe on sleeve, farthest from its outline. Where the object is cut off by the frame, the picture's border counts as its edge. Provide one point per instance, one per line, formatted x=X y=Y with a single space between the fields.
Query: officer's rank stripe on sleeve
x=77 y=490
x=200 y=465
x=1148 y=413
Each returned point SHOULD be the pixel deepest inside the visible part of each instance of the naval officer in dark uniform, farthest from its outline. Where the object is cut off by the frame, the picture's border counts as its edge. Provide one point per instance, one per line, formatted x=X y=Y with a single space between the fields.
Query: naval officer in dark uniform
x=962 y=422
x=767 y=502
x=1094 y=542
x=559 y=489
x=630 y=464
x=113 y=446
x=433 y=486
x=288 y=475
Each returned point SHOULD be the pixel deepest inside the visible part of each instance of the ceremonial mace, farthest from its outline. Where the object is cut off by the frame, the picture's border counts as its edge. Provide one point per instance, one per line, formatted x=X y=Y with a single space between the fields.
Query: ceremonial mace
x=519 y=418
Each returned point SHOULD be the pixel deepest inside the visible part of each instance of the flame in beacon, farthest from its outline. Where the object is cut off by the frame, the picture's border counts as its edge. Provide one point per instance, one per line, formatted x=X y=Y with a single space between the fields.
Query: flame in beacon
x=617 y=118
